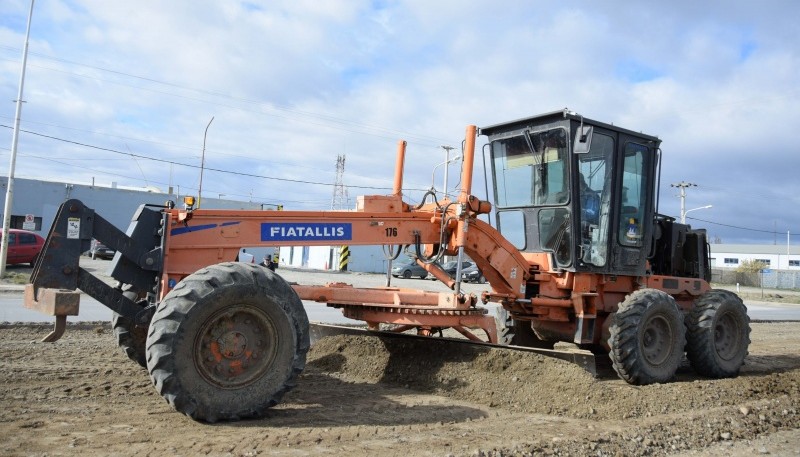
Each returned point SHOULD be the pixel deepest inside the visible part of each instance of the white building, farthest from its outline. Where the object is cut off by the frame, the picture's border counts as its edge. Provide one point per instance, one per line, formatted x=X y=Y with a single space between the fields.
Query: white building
x=366 y=259
x=775 y=256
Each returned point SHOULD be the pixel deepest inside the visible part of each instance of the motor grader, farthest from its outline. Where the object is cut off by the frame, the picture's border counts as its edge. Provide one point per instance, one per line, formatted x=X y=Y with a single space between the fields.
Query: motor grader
x=577 y=253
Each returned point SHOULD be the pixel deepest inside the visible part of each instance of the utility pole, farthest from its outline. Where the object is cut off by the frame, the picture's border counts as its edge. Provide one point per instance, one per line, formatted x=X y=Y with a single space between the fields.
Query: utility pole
x=14 y=141
x=682 y=186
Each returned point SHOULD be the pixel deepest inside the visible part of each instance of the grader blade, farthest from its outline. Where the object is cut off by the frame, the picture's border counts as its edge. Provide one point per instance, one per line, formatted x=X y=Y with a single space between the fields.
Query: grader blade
x=583 y=358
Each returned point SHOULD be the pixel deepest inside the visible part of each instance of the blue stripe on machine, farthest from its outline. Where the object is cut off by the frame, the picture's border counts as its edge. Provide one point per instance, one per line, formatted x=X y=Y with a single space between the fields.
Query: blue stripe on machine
x=197 y=228
x=304 y=231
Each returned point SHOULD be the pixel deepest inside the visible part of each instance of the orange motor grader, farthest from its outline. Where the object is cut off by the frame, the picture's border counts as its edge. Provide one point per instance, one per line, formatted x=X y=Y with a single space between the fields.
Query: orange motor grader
x=577 y=253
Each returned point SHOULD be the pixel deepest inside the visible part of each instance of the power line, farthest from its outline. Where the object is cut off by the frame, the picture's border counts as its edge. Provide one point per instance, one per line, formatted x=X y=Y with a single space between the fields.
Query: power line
x=771 y=232
x=259 y=198
x=170 y=145
x=423 y=139
x=219 y=170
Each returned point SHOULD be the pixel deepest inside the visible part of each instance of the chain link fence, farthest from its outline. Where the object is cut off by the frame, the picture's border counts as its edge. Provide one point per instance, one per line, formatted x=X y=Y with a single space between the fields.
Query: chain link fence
x=774 y=279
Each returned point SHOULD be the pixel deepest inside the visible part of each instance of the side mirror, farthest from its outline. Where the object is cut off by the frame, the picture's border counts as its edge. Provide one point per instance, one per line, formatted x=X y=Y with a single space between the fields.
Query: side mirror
x=583 y=139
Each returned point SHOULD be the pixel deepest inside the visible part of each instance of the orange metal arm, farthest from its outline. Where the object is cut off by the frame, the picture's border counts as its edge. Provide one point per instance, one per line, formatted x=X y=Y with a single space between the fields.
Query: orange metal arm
x=204 y=237
x=398 y=169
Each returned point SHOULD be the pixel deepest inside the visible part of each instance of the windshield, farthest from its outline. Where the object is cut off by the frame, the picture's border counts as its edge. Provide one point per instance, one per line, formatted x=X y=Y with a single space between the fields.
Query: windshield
x=531 y=169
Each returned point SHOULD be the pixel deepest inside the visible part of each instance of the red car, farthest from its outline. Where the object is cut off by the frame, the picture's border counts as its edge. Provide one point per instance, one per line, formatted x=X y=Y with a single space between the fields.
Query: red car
x=23 y=246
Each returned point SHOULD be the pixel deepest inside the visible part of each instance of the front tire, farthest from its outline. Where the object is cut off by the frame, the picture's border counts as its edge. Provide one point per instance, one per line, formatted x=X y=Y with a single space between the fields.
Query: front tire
x=407 y=274
x=516 y=332
x=718 y=334
x=647 y=337
x=130 y=338
x=228 y=342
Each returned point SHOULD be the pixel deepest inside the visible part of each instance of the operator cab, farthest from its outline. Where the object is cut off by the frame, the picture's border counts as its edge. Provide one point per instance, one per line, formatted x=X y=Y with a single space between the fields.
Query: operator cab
x=579 y=189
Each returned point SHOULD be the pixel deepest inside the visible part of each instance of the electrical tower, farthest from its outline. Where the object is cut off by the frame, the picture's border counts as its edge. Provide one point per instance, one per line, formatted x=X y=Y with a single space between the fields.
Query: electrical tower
x=339 y=190
x=340 y=202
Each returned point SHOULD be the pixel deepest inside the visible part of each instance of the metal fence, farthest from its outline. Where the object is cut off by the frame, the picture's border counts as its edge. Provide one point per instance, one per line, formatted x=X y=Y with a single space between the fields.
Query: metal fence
x=773 y=279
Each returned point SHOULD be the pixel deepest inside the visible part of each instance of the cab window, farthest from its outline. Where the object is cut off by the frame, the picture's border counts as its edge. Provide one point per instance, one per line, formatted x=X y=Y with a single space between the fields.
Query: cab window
x=634 y=194
x=595 y=173
x=531 y=169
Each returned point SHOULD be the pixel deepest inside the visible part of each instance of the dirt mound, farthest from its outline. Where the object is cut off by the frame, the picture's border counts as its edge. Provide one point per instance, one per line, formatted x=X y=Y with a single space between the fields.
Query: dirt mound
x=494 y=377
x=367 y=397
x=529 y=382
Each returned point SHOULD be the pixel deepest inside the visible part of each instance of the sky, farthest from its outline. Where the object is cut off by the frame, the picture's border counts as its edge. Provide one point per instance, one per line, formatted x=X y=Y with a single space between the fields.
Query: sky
x=125 y=92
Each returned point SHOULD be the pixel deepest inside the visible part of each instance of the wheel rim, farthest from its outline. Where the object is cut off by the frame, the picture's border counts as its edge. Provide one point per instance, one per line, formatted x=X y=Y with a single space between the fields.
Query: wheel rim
x=726 y=336
x=656 y=340
x=235 y=346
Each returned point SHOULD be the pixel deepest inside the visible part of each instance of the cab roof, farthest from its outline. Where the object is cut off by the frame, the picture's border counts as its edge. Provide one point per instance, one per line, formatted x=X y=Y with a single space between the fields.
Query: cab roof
x=555 y=116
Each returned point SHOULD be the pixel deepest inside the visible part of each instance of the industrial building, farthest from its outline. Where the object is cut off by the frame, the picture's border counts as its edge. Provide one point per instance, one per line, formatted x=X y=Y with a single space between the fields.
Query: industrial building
x=778 y=257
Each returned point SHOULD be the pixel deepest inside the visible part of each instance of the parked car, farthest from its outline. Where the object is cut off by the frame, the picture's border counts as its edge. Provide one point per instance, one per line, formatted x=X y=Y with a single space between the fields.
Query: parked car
x=23 y=246
x=472 y=274
x=408 y=269
x=100 y=250
x=451 y=267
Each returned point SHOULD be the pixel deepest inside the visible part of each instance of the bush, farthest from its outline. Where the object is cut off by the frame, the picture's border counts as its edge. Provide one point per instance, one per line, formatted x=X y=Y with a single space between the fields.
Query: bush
x=751 y=266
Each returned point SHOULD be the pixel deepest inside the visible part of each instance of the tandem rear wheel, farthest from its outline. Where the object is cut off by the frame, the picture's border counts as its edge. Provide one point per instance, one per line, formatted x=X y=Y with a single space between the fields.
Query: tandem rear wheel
x=647 y=337
x=718 y=334
x=649 y=332
x=227 y=342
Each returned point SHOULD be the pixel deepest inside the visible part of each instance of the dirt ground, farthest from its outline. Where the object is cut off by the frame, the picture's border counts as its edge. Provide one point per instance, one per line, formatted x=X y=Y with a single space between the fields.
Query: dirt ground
x=367 y=396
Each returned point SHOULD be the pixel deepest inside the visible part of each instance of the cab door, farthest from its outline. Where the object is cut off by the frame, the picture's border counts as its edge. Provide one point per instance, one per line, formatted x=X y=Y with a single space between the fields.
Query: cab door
x=635 y=194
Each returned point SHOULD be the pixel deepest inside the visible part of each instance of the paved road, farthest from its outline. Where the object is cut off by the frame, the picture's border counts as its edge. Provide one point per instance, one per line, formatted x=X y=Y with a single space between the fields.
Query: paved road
x=11 y=310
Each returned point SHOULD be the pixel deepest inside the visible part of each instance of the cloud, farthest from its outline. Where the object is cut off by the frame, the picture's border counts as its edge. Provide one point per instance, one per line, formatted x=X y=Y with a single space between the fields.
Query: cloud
x=293 y=84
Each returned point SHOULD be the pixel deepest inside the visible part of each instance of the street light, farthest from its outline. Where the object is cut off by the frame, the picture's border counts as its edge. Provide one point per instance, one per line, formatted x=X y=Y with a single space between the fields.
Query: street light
x=683 y=214
x=446 y=164
x=14 y=140
x=203 y=163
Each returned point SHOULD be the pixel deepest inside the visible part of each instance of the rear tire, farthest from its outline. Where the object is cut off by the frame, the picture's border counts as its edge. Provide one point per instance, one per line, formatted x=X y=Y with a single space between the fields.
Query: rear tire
x=228 y=342
x=647 y=337
x=718 y=334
